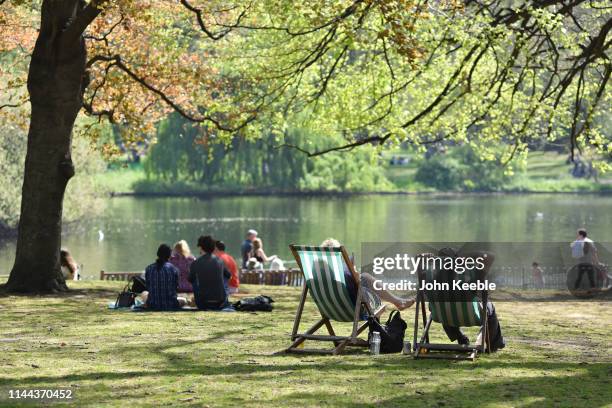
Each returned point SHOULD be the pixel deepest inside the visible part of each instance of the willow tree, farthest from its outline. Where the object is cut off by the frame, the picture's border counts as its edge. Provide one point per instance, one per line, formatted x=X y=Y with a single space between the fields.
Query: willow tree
x=496 y=73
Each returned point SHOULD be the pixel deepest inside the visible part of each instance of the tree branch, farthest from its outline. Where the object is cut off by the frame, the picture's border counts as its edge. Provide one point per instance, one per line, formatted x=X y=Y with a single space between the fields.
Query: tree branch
x=84 y=18
x=204 y=28
x=116 y=61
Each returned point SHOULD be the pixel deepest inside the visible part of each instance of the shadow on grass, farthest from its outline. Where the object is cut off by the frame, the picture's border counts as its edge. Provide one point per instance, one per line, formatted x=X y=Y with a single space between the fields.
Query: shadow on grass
x=93 y=293
x=326 y=365
x=552 y=387
x=533 y=392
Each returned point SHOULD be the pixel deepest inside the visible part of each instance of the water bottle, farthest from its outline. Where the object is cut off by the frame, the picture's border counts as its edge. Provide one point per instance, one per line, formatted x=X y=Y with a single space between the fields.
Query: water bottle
x=375 y=344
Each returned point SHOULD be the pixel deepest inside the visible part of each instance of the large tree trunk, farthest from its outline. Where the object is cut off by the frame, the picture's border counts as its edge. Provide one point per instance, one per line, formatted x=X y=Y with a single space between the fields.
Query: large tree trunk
x=56 y=82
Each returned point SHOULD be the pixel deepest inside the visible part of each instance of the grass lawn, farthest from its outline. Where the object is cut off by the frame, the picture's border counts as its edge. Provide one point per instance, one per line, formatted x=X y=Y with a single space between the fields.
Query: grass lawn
x=121 y=179
x=558 y=354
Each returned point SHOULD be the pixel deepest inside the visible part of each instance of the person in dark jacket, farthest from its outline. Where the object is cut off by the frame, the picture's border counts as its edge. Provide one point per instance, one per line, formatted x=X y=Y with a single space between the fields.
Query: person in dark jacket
x=207 y=274
x=247 y=247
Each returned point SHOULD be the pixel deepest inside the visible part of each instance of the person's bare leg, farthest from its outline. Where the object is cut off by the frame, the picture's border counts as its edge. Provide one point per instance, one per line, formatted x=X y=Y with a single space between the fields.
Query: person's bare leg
x=398 y=302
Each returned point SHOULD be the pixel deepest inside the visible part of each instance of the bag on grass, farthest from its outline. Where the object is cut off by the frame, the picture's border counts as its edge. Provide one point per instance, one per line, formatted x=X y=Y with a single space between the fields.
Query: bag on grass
x=126 y=298
x=391 y=333
x=260 y=303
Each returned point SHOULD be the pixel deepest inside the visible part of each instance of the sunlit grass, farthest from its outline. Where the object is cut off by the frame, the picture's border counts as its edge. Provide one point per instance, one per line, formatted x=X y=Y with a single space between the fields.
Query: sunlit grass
x=121 y=179
x=558 y=354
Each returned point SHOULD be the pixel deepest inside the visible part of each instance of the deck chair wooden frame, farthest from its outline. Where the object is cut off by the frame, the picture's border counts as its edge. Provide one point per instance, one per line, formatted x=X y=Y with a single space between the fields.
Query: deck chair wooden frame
x=423 y=349
x=340 y=342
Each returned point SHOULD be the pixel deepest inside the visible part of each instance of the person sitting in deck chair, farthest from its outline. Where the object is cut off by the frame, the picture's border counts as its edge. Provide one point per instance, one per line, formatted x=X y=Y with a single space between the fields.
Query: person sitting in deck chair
x=494 y=328
x=373 y=296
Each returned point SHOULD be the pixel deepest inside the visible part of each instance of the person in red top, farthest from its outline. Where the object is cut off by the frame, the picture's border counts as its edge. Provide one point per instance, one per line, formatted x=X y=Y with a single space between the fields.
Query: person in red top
x=230 y=264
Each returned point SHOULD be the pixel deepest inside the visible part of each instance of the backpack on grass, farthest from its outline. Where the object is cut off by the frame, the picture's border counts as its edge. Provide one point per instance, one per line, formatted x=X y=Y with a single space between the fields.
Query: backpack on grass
x=260 y=303
x=391 y=333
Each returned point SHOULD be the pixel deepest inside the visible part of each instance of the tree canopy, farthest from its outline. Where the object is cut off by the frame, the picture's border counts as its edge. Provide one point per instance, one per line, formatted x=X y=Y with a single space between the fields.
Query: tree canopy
x=373 y=71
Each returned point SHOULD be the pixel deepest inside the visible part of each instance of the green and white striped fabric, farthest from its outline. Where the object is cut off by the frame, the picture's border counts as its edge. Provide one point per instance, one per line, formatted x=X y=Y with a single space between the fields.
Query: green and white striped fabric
x=323 y=270
x=445 y=310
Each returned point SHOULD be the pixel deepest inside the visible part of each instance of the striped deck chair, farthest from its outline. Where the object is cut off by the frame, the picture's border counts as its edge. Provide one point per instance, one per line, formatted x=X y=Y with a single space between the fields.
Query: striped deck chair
x=451 y=309
x=324 y=279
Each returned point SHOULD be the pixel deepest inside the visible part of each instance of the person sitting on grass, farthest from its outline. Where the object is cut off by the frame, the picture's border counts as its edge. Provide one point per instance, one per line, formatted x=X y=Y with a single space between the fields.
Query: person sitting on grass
x=162 y=280
x=206 y=275
x=230 y=264
x=373 y=296
x=182 y=259
x=70 y=269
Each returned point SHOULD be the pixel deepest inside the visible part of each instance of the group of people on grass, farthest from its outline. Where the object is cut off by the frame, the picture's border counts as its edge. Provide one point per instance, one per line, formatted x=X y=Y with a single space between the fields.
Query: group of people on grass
x=211 y=278
x=214 y=276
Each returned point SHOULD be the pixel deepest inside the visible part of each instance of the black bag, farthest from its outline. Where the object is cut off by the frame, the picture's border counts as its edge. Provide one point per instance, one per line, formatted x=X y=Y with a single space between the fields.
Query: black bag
x=126 y=298
x=260 y=303
x=391 y=333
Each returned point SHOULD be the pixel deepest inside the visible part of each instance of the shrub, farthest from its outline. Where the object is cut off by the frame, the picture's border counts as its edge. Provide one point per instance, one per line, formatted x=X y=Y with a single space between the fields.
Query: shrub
x=461 y=169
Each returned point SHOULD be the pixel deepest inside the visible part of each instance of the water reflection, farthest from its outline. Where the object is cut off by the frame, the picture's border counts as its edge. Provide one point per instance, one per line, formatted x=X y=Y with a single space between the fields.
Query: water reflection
x=133 y=227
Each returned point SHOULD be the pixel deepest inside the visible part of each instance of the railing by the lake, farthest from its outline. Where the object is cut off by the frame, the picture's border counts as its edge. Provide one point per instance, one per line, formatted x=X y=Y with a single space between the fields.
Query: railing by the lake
x=517 y=277
x=289 y=277
x=118 y=276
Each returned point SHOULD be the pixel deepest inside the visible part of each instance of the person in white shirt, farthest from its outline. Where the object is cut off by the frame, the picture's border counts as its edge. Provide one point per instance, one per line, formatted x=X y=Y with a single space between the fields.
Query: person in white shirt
x=584 y=252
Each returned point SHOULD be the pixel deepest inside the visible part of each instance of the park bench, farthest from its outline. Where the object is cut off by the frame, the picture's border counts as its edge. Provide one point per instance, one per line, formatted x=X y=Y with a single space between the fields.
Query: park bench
x=118 y=276
x=288 y=277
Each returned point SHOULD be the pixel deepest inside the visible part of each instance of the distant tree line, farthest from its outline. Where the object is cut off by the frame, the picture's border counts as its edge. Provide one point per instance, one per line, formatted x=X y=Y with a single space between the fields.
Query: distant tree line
x=183 y=155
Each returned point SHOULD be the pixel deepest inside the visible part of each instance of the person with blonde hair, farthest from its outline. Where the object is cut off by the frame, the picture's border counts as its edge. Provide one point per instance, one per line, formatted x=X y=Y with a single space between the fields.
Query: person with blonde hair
x=182 y=259
x=259 y=253
x=373 y=296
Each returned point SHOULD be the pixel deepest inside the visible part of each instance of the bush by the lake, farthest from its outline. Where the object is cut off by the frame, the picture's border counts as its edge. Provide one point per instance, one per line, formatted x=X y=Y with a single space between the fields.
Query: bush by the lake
x=83 y=197
x=462 y=169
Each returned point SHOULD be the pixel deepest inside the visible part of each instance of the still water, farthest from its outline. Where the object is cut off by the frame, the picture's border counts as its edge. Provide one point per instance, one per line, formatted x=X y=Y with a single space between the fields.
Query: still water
x=134 y=227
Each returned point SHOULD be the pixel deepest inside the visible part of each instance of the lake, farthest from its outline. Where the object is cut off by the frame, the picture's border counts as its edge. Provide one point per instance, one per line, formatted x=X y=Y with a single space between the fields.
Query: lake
x=134 y=227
